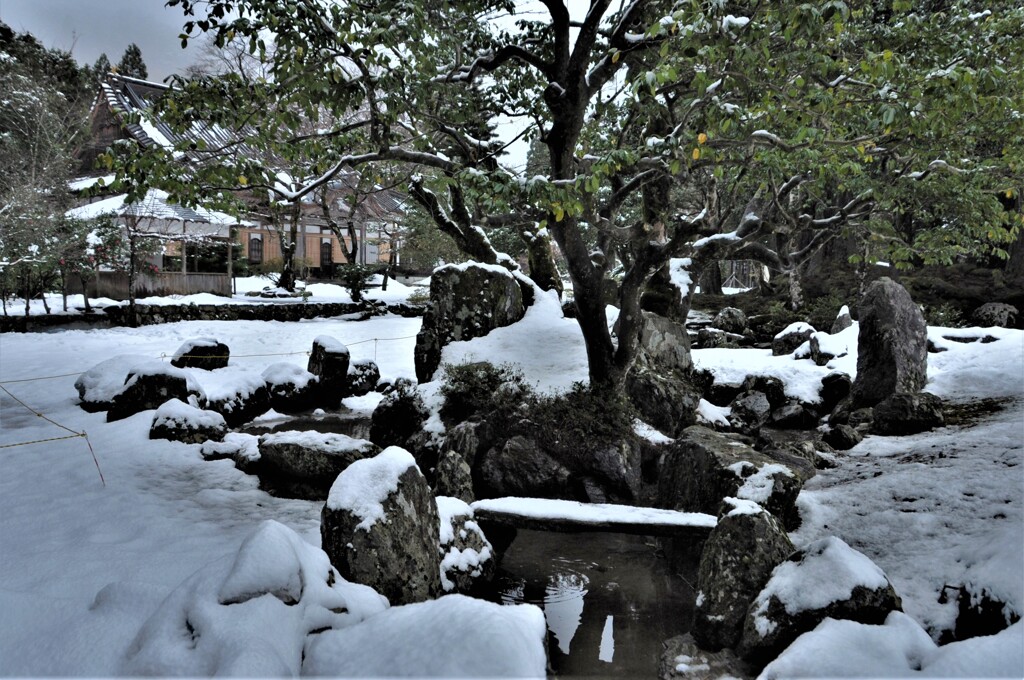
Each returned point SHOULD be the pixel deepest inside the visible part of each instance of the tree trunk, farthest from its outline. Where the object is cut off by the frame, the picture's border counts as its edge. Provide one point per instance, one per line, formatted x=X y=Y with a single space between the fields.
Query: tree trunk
x=64 y=288
x=42 y=295
x=85 y=292
x=796 y=289
x=711 y=279
x=28 y=292
x=132 y=319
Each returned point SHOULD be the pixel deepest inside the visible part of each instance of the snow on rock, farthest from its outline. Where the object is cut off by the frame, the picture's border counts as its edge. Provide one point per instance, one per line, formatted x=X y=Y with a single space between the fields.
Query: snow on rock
x=205 y=353
x=365 y=484
x=98 y=386
x=467 y=554
x=177 y=414
x=709 y=414
x=802 y=379
x=284 y=373
x=645 y=431
x=250 y=616
x=326 y=442
x=238 y=446
x=899 y=648
x=591 y=513
x=455 y=636
x=759 y=485
x=679 y=274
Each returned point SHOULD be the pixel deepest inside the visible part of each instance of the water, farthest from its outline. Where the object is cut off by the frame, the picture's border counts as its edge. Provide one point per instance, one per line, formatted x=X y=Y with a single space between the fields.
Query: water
x=343 y=421
x=610 y=600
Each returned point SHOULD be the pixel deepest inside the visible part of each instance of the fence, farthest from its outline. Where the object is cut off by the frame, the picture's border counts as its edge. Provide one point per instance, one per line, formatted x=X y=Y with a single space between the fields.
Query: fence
x=114 y=285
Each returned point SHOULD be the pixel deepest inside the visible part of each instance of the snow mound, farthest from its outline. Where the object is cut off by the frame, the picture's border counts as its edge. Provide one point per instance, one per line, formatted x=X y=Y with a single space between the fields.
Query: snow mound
x=454 y=636
x=177 y=414
x=153 y=367
x=794 y=328
x=365 y=484
x=284 y=373
x=250 y=616
x=899 y=648
x=231 y=384
x=235 y=444
x=325 y=442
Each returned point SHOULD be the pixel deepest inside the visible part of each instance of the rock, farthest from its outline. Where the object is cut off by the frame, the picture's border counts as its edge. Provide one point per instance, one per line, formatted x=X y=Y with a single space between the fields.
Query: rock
x=825 y=347
x=892 y=345
x=610 y=475
x=842 y=437
x=306 y=463
x=703 y=466
x=399 y=415
x=791 y=337
x=769 y=385
x=981 y=613
x=682 y=659
x=902 y=414
x=329 y=362
x=467 y=557
x=363 y=376
x=731 y=320
x=98 y=386
x=454 y=477
x=380 y=527
x=793 y=415
x=750 y=410
x=708 y=338
x=842 y=322
x=827 y=579
x=243 y=449
x=204 y=353
x=470 y=439
x=292 y=389
x=834 y=388
x=521 y=467
x=721 y=394
x=179 y=422
x=803 y=451
x=667 y=401
x=150 y=384
x=995 y=314
x=240 y=399
x=466 y=301
x=738 y=559
x=665 y=344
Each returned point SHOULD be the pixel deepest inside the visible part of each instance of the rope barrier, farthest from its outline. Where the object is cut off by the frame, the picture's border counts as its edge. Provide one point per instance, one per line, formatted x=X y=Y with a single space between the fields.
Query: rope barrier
x=74 y=434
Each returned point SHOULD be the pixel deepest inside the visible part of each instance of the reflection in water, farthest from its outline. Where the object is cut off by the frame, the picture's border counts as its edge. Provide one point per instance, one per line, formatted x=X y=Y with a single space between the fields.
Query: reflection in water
x=610 y=600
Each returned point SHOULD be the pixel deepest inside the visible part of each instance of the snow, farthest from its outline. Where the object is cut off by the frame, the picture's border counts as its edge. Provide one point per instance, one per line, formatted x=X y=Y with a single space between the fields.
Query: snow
x=455 y=512
x=105 y=380
x=283 y=373
x=189 y=345
x=178 y=414
x=758 y=486
x=713 y=415
x=454 y=636
x=330 y=344
x=591 y=513
x=828 y=572
x=899 y=648
x=794 y=328
x=679 y=274
x=245 y=446
x=652 y=435
x=802 y=379
x=153 y=367
x=364 y=485
x=326 y=442
x=742 y=506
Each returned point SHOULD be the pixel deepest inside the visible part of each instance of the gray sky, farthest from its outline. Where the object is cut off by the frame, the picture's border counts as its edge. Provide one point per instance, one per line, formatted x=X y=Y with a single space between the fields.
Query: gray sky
x=88 y=28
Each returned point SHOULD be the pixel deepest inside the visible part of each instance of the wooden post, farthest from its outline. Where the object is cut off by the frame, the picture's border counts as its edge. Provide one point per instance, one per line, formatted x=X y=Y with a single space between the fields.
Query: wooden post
x=231 y=274
x=184 y=252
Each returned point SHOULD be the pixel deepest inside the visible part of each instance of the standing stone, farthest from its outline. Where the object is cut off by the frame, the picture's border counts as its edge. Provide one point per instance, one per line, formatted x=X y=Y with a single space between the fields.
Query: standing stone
x=466 y=301
x=329 y=361
x=454 y=477
x=292 y=389
x=892 y=345
x=738 y=559
x=380 y=527
x=842 y=322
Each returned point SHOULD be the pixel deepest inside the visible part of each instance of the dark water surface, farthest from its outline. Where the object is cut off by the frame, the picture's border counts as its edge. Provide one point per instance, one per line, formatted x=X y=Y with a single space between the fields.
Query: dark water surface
x=610 y=600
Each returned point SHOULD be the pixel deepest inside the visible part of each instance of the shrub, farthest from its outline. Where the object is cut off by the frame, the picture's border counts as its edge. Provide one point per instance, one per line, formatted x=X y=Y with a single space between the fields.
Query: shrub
x=355 y=278
x=483 y=389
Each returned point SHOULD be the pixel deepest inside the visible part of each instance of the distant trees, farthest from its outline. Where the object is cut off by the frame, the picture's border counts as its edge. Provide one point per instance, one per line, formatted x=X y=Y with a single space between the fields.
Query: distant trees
x=131 y=63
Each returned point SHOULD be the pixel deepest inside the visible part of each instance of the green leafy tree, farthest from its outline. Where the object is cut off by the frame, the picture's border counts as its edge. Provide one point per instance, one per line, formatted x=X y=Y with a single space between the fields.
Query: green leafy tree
x=677 y=134
x=102 y=67
x=131 y=63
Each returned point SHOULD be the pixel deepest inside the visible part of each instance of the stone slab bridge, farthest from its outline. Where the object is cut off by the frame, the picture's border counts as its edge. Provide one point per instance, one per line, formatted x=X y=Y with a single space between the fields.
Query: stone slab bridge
x=542 y=514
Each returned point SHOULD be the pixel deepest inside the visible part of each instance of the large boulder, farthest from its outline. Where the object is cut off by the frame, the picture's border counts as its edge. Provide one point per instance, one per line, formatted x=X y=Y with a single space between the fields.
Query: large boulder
x=180 y=422
x=995 y=314
x=380 y=527
x=399 y=416
x=660 y=384
x=151 y=383
x=739 y=556
x=454 y=477
x=292 y=388
x=791 y=337
x=902 y=414
x=205 y=353
x=329 y=361
x=521 y=467
x=892 y=344
x=834 y=388
x=305 y=463
x=827 y=579
x=749 y=411
x=239 y=397
x=98 y=386
x=703 y=467
x=466 y=301
x=467 y=557
x=731 y=320
x=242 y=448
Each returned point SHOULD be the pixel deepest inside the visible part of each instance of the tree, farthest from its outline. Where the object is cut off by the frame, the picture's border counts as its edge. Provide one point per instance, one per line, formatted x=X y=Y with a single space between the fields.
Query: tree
x=676 y=133
x=131 y=63
x=102 y=67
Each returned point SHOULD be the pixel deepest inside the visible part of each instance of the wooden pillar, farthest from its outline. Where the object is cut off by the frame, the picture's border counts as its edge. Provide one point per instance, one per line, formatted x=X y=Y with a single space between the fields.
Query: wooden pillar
x=184 y=251
x=231 y=274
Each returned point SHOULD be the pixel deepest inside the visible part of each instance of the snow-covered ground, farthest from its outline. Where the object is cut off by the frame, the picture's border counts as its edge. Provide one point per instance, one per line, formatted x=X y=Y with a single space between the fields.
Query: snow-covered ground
x=318 y=292
x=83 y=565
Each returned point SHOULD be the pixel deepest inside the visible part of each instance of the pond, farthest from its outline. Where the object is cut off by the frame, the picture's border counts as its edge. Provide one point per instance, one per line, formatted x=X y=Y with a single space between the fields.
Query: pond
x=610 y=600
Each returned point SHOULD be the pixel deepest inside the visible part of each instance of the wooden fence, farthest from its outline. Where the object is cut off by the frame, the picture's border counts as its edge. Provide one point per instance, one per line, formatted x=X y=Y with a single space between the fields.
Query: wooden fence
x=114 y=285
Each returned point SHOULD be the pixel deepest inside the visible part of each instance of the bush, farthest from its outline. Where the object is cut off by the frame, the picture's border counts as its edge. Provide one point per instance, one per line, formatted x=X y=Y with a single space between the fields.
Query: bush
x=483 y=389
x=355 y=278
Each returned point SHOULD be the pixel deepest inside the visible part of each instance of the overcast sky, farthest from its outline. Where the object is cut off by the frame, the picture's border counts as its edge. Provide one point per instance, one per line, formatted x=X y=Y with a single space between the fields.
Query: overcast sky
x=88 y=28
